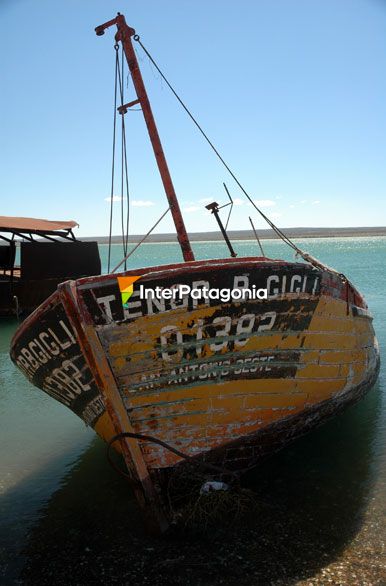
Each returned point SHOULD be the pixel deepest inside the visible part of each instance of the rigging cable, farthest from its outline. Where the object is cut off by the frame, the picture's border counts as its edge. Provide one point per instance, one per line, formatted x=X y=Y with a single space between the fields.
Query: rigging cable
x=116 y=47
x=277 y=230
x=231 y=204
x=124 y=171
x=256 y=236
x=121 y=91
x=140 y=242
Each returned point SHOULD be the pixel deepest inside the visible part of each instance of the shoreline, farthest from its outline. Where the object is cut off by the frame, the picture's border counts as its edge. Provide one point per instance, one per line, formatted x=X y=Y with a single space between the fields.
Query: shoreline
x=293 y=233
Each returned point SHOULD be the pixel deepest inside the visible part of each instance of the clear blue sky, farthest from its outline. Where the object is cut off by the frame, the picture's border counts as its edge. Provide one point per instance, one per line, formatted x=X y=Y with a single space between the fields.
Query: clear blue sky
x=293 y=93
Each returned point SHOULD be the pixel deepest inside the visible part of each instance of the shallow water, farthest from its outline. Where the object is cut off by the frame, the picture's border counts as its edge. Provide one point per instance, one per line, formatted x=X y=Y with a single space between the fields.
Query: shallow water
x=332 y=482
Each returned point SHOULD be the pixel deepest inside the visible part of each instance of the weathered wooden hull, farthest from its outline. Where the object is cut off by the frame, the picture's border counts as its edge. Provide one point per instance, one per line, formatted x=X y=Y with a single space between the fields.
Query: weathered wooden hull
x=222 y=382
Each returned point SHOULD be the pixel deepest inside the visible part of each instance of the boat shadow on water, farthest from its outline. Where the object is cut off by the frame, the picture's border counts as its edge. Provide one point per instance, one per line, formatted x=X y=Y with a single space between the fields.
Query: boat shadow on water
x=312 y=497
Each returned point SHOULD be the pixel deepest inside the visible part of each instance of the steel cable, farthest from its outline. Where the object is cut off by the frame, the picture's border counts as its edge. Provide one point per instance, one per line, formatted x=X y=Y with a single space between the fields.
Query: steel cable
x=116 y=47
x=277 y=230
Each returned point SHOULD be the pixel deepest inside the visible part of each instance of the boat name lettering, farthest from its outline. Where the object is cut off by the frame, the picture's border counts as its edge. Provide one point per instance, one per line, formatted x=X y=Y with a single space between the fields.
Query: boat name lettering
x=93 y=410
x=43 y=348
x=65 y=382
x=172 y=339
x=207 y=370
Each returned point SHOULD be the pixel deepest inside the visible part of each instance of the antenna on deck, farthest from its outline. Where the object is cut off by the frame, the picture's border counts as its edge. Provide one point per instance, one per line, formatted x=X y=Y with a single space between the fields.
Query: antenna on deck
x=215 y=208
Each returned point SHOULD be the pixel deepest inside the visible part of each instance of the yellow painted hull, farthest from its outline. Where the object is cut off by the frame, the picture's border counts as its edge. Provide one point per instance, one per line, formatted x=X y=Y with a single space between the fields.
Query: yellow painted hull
x=337 y=352
x=219 y=382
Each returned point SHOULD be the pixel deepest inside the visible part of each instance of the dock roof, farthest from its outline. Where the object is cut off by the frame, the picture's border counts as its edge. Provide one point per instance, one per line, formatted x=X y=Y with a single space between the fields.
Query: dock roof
x=34 y=225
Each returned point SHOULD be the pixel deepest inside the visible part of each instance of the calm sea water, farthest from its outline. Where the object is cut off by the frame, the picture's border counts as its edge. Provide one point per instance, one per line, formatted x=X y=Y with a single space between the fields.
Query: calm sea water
x=338 y=471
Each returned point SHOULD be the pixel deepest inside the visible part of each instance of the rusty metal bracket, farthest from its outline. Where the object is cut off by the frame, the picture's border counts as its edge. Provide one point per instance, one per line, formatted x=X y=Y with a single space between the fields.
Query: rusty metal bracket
x=123 y=109
x=119 y=20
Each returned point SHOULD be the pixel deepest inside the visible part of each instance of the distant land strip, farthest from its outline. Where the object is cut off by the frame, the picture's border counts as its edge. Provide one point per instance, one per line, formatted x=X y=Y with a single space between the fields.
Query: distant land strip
x=248 y=235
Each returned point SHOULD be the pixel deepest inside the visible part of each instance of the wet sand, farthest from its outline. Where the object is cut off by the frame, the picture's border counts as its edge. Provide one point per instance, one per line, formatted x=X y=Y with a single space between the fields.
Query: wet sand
x=319 y=520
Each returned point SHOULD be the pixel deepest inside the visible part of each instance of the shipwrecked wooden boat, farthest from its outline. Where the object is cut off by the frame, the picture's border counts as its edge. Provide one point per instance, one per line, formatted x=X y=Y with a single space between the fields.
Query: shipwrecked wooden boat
x=216 y=380
x=49 y=253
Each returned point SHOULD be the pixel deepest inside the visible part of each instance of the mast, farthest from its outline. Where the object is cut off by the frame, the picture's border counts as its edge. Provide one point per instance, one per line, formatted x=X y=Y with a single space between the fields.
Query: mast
x=124 y=34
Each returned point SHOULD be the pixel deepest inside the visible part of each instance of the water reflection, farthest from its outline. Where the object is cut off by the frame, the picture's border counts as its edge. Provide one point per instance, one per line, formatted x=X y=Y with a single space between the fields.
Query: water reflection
x=39 y=440
x=314 y=496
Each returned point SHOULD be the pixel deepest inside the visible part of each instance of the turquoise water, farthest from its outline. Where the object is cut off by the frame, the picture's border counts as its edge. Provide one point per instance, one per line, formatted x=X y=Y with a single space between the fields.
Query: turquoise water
x=47 y=451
